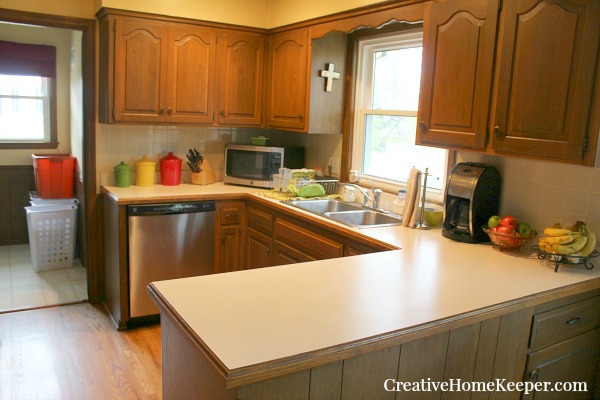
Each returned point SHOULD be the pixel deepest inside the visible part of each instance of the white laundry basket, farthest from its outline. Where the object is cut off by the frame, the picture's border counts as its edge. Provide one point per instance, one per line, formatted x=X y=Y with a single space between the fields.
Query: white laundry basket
x=52 y=233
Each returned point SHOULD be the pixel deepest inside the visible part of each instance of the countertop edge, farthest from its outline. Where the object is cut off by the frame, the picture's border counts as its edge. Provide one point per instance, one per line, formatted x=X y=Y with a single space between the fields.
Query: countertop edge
x=283 y=366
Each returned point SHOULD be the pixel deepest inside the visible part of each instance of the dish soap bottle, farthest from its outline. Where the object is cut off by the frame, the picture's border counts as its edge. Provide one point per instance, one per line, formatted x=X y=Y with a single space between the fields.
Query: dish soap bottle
x=398 y=205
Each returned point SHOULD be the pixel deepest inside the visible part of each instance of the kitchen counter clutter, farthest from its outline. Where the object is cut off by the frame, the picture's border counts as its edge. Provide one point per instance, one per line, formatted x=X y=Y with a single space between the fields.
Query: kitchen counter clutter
x=280 y=327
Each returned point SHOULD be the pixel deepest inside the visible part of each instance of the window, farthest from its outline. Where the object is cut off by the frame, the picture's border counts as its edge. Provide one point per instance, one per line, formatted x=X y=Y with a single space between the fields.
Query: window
x=385 y=121
x=27 y=99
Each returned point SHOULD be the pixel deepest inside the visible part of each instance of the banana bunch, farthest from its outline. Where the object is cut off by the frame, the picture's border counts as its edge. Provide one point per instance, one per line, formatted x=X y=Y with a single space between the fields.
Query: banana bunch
x=576 y=240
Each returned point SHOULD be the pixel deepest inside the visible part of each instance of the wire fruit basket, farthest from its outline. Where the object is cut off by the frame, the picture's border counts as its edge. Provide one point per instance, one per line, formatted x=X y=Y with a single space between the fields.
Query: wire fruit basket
x=569 y=259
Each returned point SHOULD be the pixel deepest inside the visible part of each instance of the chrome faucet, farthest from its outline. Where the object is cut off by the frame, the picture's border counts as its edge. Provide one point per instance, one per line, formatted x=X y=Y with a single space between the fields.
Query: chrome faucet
x=376 y=193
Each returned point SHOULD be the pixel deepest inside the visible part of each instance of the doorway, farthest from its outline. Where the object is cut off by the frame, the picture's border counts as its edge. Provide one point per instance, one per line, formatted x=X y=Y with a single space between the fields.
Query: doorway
x=85 y=184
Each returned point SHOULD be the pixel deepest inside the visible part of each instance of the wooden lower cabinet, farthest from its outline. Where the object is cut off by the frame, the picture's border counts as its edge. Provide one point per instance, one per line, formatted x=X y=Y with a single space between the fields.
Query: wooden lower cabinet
x=258 y=249
x=229 y=243
x=564 y=347
x=284 y=254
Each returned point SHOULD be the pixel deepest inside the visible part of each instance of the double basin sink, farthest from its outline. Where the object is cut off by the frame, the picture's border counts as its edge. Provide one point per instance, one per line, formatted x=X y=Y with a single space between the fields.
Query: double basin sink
x=346 y=213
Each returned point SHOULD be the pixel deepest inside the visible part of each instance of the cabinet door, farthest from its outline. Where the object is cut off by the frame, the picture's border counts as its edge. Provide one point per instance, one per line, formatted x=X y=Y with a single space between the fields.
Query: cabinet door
x=547 y=55
x=191 y=74
x=140 y=70
x=458 y=54
x=229 y=249
x=258 y=249
x=573 y=360
x=288 y=80
x=241 y=70
x=284 y=254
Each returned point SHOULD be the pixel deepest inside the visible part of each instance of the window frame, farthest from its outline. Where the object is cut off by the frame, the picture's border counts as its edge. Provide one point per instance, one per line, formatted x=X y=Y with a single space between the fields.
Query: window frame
x=354 y=142
x=30 y=59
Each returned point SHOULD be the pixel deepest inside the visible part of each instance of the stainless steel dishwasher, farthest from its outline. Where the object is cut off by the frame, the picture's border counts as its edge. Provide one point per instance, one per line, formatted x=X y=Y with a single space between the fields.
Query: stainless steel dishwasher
x=167 y=241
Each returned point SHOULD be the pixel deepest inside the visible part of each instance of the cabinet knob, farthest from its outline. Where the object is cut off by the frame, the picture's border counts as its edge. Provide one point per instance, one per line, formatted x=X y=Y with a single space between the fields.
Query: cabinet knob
x=257 y=221
x=161 y=111
x=423 y=127
x=573 y=321
x=497 y=131
x=300 y=117
x=169 y=111
x=534 y=375
x=222 y=114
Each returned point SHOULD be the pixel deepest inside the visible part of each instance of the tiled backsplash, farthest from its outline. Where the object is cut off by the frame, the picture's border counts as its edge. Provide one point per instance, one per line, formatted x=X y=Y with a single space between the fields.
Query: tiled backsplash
x=129 y=143
x=543 y=193
x=536 y=191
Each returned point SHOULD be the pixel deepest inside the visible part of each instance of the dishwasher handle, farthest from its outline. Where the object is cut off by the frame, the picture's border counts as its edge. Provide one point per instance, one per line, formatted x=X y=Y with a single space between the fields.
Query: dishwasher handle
x=171 y=208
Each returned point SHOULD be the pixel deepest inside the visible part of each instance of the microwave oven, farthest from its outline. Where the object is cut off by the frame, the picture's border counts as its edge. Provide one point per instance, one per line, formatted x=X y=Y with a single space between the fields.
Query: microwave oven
x=254 y=165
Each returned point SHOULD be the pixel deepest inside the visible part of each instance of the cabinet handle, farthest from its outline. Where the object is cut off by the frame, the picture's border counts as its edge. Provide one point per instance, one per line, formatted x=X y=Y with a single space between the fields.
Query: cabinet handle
x=497 y=131
x=161 y=111
x=257 y=221
x=423 y=127
x=169 y=111
x=222 y=114
x=300 y=117
x=573 y=321
x=534 y=375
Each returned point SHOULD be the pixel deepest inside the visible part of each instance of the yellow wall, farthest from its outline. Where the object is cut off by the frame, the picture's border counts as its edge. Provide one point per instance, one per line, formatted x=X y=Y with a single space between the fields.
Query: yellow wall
x=256 y=13
x=285 y=12
x=69 y=8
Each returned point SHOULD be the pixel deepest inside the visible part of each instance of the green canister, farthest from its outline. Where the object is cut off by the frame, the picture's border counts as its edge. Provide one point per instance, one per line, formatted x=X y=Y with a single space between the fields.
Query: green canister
x=122 y=175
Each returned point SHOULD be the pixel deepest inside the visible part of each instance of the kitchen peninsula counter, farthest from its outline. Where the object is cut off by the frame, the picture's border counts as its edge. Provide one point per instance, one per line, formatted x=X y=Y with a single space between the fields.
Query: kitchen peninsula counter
x=251 y=326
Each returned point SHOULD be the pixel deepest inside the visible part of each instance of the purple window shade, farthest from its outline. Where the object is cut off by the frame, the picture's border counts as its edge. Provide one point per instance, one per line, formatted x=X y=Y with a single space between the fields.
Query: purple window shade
x=27 y=59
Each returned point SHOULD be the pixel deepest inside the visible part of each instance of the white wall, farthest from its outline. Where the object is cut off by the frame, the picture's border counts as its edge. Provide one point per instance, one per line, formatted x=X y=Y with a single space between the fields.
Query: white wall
x=76 y=99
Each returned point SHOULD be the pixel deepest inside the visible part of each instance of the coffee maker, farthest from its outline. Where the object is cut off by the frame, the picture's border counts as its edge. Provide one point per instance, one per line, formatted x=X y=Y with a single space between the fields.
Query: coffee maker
x=471 y=198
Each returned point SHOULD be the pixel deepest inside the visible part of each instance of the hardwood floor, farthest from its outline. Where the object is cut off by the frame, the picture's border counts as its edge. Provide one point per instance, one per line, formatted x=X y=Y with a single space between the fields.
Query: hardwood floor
x=74 y=352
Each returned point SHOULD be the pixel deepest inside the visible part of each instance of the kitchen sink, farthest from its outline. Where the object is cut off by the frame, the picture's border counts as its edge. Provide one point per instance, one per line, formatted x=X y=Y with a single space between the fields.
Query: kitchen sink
x=363 y=218
x=346 y=213
x=323 y=206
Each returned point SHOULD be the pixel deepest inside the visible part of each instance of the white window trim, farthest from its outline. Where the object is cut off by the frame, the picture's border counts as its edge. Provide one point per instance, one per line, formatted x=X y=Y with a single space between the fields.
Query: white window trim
x=413 y=38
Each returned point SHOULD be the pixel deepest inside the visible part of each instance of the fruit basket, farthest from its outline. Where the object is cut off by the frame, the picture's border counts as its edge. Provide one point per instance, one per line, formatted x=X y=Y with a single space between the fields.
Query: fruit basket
x=559 y=259
x=508 y=242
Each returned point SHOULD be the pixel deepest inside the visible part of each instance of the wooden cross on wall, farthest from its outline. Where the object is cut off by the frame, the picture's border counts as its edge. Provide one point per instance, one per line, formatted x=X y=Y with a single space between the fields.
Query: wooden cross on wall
x=329 y=76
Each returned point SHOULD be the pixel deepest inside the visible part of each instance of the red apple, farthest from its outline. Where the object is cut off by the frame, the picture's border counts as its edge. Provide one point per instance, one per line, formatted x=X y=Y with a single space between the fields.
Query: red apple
x=509 y=221
x=506 y=230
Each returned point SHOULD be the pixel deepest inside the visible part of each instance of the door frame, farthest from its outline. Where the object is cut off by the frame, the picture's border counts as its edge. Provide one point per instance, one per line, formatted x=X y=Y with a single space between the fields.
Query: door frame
x=91 y=221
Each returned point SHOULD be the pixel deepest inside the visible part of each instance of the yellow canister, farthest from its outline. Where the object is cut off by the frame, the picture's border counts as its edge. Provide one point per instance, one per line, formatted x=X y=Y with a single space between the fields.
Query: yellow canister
x=144 y=172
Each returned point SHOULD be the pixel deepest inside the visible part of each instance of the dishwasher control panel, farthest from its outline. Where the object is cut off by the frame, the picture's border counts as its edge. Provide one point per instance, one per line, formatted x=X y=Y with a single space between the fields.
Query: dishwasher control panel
x=171 y=208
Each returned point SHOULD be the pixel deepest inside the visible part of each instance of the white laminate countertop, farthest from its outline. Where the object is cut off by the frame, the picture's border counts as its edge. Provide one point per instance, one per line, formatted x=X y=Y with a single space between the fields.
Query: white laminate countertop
x=182 y=192
x=255 y=317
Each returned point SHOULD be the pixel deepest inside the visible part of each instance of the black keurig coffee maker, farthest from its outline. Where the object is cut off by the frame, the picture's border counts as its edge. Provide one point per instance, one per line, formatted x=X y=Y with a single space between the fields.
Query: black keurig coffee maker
x=471 y=198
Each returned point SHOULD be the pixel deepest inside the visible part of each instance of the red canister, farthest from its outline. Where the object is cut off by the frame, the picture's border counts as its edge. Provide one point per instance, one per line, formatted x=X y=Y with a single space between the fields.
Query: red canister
x=170 y=170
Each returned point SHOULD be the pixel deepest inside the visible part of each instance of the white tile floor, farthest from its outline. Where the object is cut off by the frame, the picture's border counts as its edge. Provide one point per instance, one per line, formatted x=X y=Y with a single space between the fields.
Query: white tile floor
x=22 y=288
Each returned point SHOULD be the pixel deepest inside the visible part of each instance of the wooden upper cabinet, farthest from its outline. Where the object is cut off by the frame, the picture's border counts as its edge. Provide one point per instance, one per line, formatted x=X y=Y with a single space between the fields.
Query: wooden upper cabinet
x=140 y=70
x=547 y=54
x=288 y=87
x=240 y=71
x=163 y=72
x=458 y=55
x=191 y=74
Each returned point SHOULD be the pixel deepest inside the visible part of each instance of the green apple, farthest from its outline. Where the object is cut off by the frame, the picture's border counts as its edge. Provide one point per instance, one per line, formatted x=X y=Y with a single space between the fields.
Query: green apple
x=493 y=221
x=524 y=229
